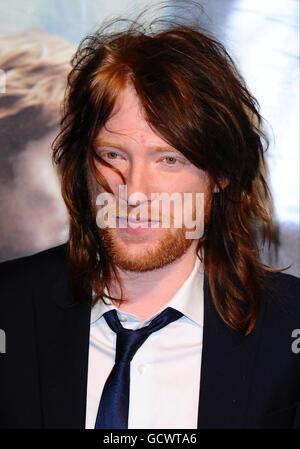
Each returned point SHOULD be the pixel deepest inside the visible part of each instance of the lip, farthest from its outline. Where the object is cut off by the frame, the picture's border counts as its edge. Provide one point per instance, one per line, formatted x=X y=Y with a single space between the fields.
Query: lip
x=136 y=230
x=129 y=220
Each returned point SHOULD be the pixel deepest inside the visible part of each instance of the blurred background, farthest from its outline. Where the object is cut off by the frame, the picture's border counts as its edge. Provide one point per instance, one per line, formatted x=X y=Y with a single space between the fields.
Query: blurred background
x=37 y=40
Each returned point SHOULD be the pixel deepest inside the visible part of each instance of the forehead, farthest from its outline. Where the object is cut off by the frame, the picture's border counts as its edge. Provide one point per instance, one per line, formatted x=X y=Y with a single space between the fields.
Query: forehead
x=127 y=120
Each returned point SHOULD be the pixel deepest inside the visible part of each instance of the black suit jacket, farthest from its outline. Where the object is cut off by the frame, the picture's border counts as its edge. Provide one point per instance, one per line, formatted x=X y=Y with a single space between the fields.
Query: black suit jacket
x=246 y=382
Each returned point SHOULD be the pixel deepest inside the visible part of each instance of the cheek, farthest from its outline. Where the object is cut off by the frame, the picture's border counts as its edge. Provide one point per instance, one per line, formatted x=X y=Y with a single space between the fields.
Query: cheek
x=198 y=185
x=111 y=177
x=178 y=182
x=193 y=180
x=191 y=184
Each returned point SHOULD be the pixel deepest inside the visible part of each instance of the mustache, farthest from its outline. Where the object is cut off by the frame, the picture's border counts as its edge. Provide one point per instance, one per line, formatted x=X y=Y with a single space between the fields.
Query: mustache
x=136 y=214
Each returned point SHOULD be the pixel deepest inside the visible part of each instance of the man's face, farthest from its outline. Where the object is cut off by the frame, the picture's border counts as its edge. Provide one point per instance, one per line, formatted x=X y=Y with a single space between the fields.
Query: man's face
x=150 y=166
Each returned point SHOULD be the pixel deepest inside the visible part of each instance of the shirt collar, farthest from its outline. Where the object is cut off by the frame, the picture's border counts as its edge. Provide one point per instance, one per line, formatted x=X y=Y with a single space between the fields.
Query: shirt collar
x=188 y=300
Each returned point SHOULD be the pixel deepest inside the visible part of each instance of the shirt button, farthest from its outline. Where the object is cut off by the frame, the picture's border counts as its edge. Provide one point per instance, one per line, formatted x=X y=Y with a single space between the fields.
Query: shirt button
x=141 y=368
x=123 y=318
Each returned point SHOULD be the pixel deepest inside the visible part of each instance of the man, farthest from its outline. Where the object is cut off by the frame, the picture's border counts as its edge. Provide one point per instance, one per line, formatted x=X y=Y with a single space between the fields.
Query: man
x=131 y=323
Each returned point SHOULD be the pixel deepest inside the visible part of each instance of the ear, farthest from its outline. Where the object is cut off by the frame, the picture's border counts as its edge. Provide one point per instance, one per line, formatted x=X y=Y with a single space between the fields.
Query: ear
x=223 y=183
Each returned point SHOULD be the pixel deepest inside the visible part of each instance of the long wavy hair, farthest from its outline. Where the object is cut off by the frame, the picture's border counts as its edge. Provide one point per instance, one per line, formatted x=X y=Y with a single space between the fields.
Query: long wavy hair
x=195 y=98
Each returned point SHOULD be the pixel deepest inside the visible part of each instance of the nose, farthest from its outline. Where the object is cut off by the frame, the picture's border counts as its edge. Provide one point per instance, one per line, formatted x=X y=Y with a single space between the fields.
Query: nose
x=138 y=181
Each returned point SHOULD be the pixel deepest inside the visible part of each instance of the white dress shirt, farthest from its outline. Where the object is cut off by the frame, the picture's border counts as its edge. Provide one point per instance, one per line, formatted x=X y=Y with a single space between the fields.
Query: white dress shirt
x=164 y=372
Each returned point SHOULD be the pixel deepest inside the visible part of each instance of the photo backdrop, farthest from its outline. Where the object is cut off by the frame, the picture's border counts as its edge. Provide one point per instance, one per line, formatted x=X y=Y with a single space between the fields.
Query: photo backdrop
x=37 y=40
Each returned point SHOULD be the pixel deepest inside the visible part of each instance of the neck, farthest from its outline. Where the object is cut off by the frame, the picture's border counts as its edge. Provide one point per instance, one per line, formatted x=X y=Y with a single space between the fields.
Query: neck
x=149 y=291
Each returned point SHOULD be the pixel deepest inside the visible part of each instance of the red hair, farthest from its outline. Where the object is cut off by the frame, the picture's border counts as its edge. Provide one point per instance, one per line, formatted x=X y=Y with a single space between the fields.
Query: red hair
x=194 y=97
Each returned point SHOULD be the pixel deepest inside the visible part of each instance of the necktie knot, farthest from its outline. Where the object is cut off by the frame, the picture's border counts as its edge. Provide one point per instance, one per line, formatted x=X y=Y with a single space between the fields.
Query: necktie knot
x=128 y=340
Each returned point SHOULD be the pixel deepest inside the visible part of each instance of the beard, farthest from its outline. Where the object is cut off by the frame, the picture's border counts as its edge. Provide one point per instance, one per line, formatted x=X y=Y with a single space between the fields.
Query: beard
x=150 y=250
x=139 y=255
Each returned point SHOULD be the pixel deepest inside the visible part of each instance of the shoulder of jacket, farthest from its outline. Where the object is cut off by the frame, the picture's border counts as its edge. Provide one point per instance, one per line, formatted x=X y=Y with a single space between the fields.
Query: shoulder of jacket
x=283 y=296
x=18 y=273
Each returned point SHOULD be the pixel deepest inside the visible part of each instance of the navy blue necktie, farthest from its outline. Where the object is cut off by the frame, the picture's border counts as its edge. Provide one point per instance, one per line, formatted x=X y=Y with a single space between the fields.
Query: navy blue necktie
x=114 y=402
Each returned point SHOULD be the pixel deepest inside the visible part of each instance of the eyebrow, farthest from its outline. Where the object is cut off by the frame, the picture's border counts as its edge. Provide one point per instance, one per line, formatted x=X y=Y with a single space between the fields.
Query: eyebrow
x=156 y=148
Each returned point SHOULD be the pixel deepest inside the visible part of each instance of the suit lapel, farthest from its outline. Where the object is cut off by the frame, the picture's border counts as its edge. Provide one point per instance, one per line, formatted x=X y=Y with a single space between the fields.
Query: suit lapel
x=63 y=342
x=226 y=373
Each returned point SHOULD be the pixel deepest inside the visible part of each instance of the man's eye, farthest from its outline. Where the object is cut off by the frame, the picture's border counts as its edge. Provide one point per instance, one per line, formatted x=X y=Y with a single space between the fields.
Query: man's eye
x=110 y=155
x=170 y=160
